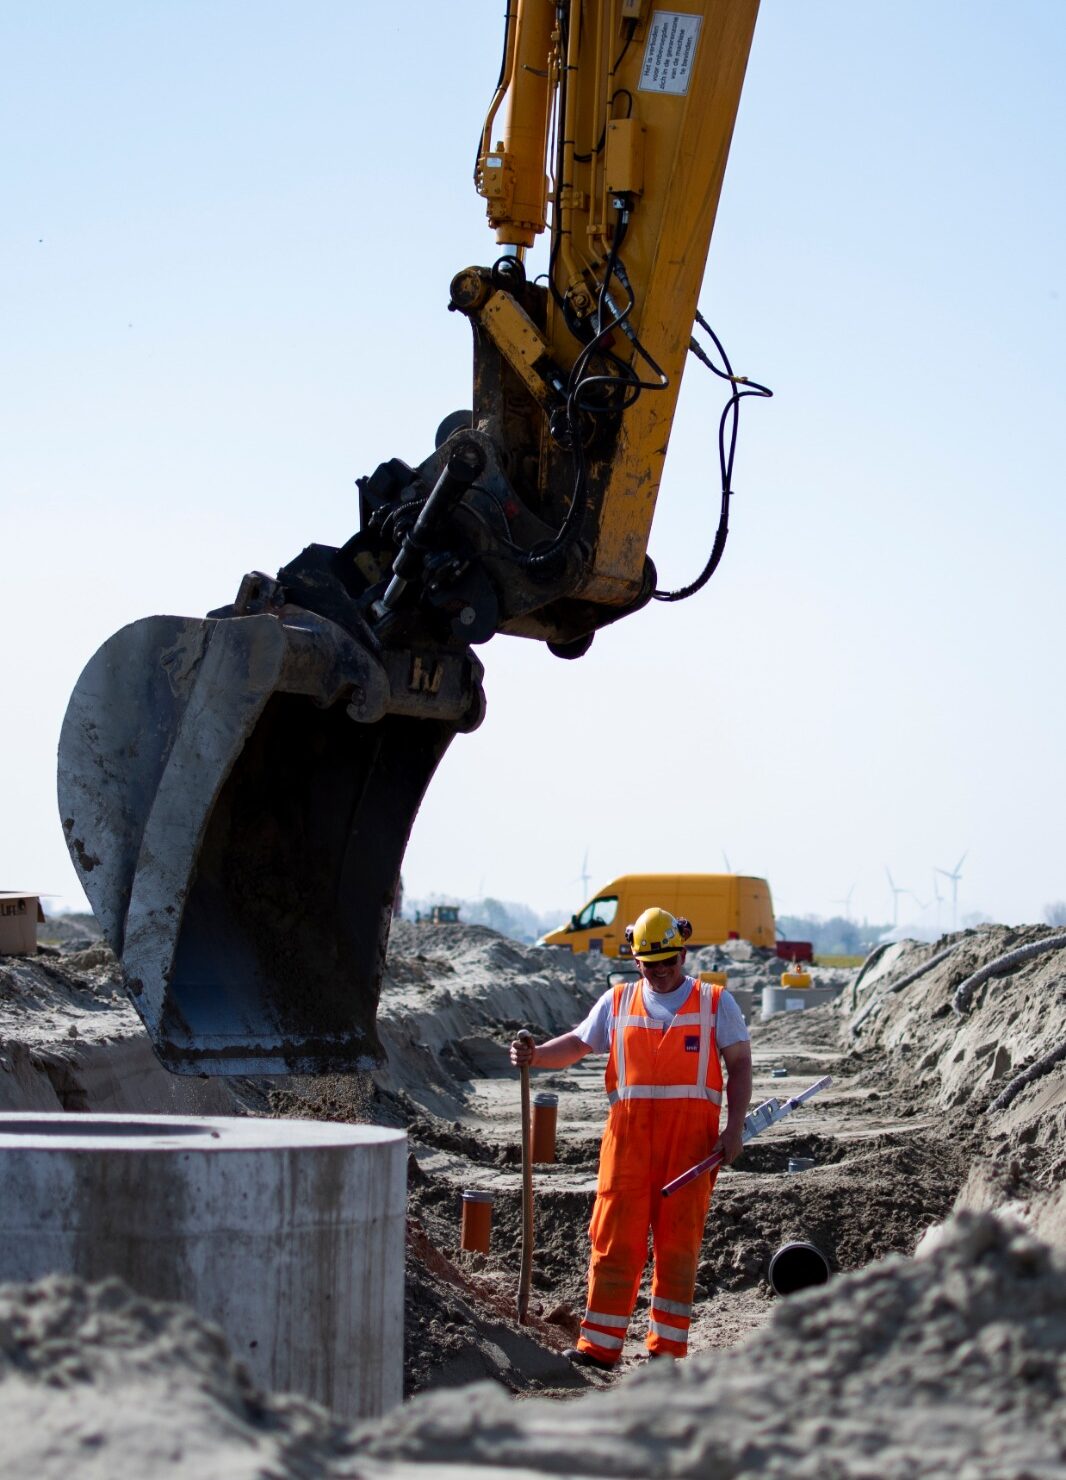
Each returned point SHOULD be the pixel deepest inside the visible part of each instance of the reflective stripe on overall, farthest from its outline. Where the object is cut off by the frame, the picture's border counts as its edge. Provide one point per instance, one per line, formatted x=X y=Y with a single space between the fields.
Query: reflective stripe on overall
x=664 y=1084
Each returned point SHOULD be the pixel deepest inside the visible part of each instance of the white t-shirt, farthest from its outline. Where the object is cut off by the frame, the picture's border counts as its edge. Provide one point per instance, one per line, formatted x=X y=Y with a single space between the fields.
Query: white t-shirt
x=730 y=1027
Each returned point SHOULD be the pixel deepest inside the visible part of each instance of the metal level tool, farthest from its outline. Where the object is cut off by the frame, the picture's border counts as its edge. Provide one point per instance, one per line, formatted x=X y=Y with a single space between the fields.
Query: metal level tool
x=766 y=1114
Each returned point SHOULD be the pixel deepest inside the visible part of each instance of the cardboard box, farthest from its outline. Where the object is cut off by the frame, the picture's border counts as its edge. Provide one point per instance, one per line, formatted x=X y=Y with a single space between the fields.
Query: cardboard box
x=20 y=914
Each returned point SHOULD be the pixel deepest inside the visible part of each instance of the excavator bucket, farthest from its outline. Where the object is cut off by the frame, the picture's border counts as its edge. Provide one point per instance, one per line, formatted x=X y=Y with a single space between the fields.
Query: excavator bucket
x=237 y=798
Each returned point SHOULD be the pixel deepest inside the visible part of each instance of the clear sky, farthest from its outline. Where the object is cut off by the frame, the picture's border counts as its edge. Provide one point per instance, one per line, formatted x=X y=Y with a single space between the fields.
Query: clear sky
x=227 y=237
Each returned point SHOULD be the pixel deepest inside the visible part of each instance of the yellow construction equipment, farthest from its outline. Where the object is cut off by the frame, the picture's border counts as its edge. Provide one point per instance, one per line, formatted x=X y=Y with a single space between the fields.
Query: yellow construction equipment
x=721 y=907
x=237 y=790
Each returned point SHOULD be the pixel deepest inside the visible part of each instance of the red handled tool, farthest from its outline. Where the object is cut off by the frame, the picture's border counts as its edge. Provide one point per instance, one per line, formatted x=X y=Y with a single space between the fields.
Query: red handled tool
x=768 y=1113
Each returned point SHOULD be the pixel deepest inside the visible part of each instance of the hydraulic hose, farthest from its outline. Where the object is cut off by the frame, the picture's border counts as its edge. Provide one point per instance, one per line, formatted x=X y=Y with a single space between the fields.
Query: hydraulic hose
x=1000 y=967
x=870 y=962
x=1034 y=1072
x=459 y=472
x=912 y=976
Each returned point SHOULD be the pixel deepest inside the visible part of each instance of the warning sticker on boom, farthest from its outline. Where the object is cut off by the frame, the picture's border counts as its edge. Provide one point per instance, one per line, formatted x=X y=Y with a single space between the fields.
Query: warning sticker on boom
x=668 y=54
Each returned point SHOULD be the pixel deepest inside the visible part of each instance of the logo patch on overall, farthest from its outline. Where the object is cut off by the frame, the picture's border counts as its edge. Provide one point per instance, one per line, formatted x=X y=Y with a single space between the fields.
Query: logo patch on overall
x=692 y=1043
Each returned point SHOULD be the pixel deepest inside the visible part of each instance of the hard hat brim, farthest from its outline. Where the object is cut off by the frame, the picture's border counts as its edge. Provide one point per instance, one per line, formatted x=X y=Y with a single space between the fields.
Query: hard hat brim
x=657 y=955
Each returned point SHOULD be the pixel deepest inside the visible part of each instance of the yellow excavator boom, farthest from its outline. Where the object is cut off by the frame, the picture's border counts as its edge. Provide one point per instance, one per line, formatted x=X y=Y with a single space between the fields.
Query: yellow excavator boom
x=645 y=103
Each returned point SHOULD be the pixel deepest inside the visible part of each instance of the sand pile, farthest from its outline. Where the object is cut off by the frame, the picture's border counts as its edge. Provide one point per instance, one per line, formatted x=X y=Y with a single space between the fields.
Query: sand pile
x=453 y=997
x=70 y=1039
x=972 y=1066
x=950 y=1363
x=97 y=1383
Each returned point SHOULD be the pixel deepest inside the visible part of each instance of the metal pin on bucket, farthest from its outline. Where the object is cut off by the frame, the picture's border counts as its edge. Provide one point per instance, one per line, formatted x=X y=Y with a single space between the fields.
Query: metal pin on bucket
x=476 y=1227
x=542 y=1138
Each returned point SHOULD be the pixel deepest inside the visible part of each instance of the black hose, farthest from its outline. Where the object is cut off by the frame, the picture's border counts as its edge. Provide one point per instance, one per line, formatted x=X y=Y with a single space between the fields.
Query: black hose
x=727 y=446
x=1034 y=1072
x=1000 y=967
x=871 y=961
x=912 y=976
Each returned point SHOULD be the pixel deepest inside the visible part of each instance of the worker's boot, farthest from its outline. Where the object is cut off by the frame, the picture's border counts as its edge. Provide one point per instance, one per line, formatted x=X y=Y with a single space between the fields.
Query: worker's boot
x=586 y=1359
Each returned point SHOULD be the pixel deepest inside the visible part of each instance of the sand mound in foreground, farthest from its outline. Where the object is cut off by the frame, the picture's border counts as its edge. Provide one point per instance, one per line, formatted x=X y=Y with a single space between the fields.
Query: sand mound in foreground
x=953 y=1362
x=949 y=1364
x=97 y=1383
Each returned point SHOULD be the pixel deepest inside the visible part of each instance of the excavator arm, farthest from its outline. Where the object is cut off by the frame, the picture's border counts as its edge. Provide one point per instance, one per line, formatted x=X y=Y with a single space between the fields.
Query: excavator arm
x=237 y=791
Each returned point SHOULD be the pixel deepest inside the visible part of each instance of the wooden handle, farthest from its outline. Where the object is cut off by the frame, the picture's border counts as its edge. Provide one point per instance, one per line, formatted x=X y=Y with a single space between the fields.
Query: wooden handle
x=526 y=1273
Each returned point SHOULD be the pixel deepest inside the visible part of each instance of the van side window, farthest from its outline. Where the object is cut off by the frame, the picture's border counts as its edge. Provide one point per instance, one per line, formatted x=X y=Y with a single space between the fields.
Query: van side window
x=597 y=914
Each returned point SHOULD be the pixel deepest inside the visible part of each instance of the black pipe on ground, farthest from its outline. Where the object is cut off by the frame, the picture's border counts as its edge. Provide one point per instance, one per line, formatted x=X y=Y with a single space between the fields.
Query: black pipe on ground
x=797 y=1266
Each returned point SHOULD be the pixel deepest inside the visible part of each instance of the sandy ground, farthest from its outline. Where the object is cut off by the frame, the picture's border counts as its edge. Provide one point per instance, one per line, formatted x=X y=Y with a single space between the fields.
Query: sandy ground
x=967 y=1341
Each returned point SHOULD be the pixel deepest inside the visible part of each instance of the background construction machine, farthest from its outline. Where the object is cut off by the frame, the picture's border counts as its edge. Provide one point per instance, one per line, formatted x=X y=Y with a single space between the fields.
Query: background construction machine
x=237 y=791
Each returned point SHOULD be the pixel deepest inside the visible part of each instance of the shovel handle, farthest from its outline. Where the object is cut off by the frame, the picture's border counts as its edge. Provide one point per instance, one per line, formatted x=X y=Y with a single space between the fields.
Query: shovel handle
x=526 y=1272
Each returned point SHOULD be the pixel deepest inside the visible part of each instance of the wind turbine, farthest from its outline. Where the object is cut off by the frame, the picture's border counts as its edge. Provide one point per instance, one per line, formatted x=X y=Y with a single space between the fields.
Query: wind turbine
x=846 y=902
x=939 y=901
x=896 y=892
x=584 y=876
x=954 y=874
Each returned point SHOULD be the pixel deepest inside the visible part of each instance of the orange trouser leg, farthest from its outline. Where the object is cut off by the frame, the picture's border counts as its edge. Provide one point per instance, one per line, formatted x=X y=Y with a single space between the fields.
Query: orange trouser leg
x=677 y=1233
x=619 y=1231
x=682 y=1136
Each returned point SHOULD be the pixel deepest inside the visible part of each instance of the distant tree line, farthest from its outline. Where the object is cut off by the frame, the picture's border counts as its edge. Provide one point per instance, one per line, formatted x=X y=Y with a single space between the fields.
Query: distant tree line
x=833 y=937
x=517 y=921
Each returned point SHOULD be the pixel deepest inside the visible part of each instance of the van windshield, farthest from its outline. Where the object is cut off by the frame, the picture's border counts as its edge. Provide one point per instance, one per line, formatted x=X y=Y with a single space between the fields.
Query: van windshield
x=600 y=912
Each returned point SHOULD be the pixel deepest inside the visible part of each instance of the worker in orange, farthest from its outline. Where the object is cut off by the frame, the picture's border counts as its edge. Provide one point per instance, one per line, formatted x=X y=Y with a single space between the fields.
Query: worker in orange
x=665 y=1035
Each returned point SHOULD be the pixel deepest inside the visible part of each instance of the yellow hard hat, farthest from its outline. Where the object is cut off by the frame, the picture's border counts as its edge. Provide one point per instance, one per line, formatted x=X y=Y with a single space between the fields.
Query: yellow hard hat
x=657 y=934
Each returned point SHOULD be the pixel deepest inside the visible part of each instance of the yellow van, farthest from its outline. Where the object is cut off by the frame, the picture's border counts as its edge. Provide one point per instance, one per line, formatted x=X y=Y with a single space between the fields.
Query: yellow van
x=721 y=907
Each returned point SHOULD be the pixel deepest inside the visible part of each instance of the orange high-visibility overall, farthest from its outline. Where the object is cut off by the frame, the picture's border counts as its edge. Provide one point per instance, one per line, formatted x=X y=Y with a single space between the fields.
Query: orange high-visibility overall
x=664 y=1084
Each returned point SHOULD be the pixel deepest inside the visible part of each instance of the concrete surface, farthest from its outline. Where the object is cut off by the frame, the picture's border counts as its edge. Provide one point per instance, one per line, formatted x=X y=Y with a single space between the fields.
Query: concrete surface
x=288 y=1234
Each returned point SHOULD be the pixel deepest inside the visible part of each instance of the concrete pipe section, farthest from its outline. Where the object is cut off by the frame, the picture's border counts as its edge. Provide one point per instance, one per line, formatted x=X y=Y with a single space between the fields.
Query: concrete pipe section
x=289 y=1234
x=797 y=1266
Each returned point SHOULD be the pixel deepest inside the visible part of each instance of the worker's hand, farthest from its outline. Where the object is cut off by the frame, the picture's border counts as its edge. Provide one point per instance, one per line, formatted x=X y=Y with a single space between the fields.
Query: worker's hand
x=523 y=1050
x=730 y=1144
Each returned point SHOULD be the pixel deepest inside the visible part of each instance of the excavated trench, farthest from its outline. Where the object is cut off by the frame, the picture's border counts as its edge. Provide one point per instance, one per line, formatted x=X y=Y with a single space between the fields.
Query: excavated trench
x=882 y=1173
x=863 y=1199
